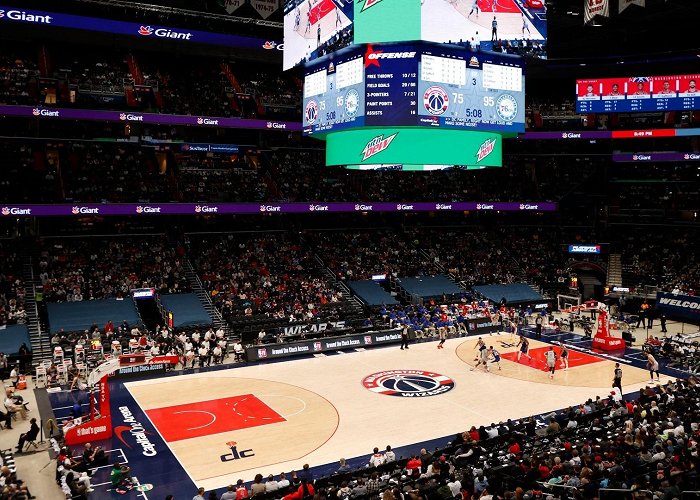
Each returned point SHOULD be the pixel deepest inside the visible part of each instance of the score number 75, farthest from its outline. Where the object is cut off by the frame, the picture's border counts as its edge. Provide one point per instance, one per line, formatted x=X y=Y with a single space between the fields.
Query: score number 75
x=458 y=98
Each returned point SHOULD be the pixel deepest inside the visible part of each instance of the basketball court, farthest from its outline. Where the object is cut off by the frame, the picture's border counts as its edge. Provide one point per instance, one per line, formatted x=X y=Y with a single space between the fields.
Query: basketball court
x=301 y=39
x=223 y=425
x=440 y=24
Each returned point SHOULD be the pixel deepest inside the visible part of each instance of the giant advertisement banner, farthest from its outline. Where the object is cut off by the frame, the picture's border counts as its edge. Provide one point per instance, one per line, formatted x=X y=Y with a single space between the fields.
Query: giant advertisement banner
x=613 y=134
x=288 y=349
x=83 y=210
x=655 y=157
x=153 y=118
x=678 y=306
x=41 y=19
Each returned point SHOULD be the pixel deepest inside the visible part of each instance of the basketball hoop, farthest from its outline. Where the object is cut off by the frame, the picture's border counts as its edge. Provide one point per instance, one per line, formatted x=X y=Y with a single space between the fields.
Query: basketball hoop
x=105 y=368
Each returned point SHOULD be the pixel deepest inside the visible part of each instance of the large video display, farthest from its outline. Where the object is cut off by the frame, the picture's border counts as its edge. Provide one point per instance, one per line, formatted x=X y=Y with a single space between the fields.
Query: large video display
x=313 y=28
x=425 y=84
x=642 y=93
x=486 y=23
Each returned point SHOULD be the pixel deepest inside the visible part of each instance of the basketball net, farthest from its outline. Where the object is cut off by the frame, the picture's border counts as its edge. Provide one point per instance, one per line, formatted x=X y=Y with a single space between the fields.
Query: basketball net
x=103 y=369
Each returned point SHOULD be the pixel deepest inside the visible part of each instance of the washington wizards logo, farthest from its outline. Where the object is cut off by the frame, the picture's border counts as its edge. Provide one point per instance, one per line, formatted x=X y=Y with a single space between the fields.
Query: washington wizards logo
x=408 y=383
x=436 y=100
x=311 y=112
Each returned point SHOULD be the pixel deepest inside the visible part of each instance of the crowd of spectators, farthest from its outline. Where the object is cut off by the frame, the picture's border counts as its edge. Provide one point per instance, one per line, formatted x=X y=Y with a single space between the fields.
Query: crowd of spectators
x=115 y=173
x=297 y=177
x=667 y=259
x=16 y=75
x=11 y=286
x=472 y=255
x=262 y=275
x=77 y=270
x=200 y=181
x=644 y=446
x=354 y=255
x=12 y=487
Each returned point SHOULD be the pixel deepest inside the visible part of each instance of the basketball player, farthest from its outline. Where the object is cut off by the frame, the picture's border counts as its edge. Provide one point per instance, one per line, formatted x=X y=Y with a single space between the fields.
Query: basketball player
x=524 y=345
x=318 y=34
x=653 y=367
x=666 y=89
x=615 y=90
x=551 y=358
x=442 y=332
x=297 y=19
x=564 y=355
x=337 y=17
x=589 y=91
x=617 y=377
x=640 y=89
x=525 y=26
x=691 y=87
x=482 y=359
x=480 y=344
x=495 y=356
x=475 y=7
x=308 y=22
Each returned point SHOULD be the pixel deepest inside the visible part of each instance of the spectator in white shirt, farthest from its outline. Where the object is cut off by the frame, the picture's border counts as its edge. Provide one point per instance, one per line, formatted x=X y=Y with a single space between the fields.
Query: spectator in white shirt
x=389 y=455
x=283 y=481
x=376 y=459
x=271 y=484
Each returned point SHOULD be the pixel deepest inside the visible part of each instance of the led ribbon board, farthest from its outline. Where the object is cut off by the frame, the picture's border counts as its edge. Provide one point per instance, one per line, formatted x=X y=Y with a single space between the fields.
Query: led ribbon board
x=413 y=146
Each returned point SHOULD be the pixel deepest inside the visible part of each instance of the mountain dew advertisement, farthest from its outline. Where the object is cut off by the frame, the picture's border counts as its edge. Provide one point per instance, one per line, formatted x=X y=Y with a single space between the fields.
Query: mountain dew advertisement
x=387 y=20
x=413 y=146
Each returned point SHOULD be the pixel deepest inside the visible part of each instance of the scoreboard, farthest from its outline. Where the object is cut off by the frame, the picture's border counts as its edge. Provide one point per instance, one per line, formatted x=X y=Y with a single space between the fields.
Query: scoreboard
x=415 y=84
x=471 y=90
x=646 y=93
x=334 y=93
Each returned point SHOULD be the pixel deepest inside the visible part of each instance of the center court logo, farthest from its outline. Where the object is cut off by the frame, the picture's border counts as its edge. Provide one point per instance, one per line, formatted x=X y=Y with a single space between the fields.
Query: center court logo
x=408 y=383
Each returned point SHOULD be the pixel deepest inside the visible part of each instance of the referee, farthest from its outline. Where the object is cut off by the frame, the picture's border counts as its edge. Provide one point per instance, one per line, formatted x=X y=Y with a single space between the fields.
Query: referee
x=617 y=378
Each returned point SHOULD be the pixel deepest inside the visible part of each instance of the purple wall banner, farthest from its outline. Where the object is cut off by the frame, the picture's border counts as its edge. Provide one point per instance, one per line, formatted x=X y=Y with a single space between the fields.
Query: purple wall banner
x=40 y=19
x=654 y=157
x=599 y=134
x=154 y=118
x=80 y=210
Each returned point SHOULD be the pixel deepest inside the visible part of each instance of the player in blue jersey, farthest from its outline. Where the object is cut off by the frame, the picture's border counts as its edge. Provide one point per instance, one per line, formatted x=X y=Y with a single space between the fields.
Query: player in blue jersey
x=524 y=345
x=297 y=19
x=495 y=356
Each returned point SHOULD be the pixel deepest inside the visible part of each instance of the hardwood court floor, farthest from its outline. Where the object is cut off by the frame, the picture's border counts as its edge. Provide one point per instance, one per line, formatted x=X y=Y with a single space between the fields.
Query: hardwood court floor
x=269 y=418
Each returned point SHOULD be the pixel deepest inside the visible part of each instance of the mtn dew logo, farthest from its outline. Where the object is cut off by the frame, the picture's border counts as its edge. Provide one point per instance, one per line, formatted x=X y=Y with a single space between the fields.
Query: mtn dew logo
x=485 y=149
x=368 y=3
x=377 y=145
